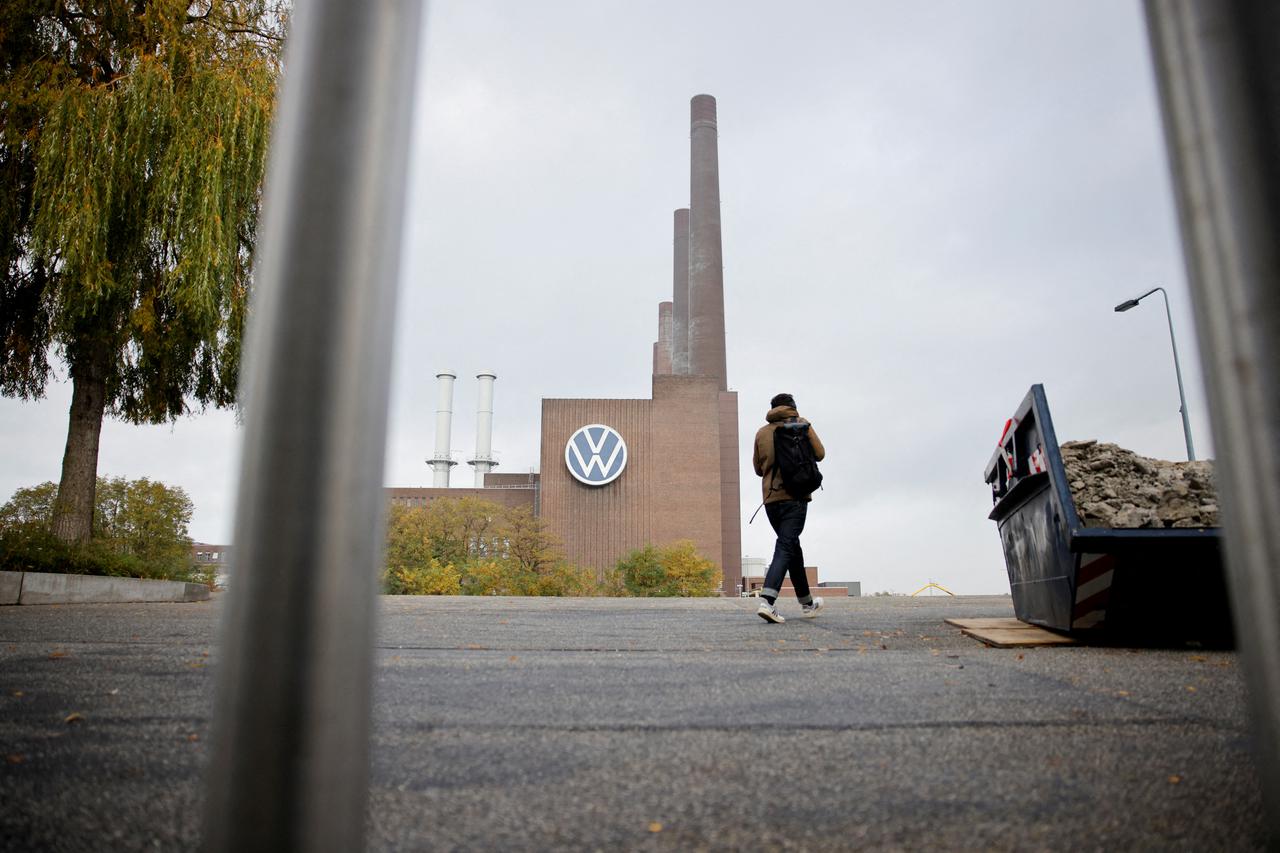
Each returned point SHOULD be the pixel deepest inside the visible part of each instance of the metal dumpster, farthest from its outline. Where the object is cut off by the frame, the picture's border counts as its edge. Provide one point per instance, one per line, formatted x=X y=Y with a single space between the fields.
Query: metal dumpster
x=1130 y=585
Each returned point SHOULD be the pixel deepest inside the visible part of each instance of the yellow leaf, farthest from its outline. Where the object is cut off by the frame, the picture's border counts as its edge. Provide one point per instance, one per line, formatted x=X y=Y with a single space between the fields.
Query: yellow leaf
x=655 y=827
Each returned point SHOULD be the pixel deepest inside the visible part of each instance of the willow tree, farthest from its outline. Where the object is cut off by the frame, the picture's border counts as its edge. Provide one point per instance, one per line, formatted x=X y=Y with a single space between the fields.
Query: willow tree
x=132 y=146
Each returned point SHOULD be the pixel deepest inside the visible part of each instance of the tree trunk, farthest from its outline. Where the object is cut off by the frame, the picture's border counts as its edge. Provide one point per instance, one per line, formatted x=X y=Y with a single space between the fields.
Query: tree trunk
x=73 y=509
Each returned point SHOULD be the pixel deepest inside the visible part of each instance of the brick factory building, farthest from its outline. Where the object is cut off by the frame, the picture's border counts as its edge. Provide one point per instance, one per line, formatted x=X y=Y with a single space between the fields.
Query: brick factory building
x=619 y=474
x=680 y=453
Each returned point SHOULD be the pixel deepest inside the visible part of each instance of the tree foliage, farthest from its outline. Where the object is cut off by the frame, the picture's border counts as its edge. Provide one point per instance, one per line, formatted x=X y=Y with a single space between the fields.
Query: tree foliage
x=476 y=547
x=142 y=528
x=133 y=140
x=675 y=570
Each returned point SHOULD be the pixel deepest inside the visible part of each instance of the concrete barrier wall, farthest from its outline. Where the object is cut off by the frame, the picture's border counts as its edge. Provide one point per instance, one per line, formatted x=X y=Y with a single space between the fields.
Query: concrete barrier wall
x=10 y=587
x=46 y=588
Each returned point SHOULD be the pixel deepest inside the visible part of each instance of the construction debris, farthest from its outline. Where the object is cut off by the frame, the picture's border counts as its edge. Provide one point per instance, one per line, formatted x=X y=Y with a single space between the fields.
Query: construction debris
x=1114 y=487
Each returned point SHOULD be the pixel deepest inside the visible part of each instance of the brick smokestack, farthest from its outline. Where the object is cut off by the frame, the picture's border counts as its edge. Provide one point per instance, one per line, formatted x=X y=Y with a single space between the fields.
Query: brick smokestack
x=680 y=294
x=706 y=267
x=662 y=349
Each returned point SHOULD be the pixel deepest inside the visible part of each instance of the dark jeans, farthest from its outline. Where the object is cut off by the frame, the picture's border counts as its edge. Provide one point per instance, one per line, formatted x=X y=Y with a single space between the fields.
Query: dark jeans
x=787 y=518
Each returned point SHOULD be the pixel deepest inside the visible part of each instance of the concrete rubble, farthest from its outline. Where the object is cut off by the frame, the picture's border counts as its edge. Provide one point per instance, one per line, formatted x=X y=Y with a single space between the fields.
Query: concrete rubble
x=1114 y=487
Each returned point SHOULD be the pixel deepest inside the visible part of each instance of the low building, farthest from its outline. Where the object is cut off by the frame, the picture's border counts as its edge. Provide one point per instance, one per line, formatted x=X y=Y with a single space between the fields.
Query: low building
x=753 y=583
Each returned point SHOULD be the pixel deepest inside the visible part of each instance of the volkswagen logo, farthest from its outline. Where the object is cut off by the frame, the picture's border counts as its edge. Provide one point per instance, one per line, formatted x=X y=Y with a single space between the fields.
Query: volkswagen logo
x=595 y=454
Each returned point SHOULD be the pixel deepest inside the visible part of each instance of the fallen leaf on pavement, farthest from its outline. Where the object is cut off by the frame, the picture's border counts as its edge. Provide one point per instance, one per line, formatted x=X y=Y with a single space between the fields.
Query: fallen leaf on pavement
x=15 y=758
x=193 y=737
x=1175 y=779
x=18 y=693
x=74 y=717
x=1190 y=689
x=57 y=654
x=655 y=827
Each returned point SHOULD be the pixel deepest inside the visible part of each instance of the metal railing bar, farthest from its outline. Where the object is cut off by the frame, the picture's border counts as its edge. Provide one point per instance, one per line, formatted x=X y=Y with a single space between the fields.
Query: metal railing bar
x=289 y=766
x=1218 y=74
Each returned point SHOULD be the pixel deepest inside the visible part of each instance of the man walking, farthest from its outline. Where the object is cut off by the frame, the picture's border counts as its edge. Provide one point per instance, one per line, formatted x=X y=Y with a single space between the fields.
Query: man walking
x=786 y=513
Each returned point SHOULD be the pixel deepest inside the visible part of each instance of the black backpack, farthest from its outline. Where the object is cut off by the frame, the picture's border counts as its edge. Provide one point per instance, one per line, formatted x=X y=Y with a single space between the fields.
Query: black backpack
x=794 y=461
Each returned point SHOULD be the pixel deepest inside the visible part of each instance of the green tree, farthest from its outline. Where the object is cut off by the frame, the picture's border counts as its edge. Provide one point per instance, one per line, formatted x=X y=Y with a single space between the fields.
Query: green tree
x=133 y=138
x=151 y=521
x=142 y=521
x=642 y=572
x=30 y=506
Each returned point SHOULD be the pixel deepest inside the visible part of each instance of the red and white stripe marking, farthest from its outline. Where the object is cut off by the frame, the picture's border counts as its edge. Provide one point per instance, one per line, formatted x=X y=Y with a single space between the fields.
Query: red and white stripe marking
x=1093 y=590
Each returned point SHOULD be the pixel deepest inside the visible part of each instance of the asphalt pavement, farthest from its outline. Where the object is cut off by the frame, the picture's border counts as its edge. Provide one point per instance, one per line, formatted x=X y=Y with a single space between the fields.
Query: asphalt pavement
x=539 y=724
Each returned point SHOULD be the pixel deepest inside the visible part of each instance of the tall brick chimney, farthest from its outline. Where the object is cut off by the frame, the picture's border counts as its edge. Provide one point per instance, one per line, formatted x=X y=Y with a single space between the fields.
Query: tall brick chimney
x=662 y=348
x=706 y=265
x=680 y=295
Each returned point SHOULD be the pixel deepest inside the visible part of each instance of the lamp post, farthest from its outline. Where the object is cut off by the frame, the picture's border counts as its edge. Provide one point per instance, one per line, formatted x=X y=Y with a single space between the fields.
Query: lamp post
x=1182 y=397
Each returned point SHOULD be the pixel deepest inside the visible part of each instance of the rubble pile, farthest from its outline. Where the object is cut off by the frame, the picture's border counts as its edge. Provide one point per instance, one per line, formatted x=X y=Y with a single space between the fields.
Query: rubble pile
x=1114 y=487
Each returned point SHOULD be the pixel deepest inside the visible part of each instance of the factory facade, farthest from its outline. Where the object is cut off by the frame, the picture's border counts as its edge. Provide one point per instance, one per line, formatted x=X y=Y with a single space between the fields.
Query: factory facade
x=619 y=474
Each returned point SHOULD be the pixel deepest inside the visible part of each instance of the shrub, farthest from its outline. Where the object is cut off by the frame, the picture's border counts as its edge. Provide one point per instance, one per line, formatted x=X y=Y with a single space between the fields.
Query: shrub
x=565 y=579
x=495 y=577
x=434 y=578
x=676 y=570
x=689 y=573
x=642 y=572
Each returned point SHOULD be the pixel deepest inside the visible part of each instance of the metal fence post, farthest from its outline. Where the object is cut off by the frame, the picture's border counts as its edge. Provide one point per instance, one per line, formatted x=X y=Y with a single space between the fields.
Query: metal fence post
x=289 y=768
x=1218 y=72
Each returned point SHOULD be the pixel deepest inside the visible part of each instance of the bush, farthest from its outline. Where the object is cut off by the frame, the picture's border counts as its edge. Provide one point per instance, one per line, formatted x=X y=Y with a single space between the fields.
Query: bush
x=433 y=578
x=494 y=577
x=32 y=548
x=676 y=570
x=566 y=579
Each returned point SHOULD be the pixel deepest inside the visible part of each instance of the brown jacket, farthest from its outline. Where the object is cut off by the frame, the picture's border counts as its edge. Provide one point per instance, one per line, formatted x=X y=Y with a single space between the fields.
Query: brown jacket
x=771 y=482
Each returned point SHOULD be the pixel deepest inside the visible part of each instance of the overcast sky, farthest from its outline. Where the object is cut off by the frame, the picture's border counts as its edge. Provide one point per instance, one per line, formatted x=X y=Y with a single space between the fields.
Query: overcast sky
x=927 y=207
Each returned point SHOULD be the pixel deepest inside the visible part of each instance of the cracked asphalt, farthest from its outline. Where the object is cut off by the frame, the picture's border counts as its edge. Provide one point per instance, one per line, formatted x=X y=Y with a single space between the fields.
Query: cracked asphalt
x=537 y=724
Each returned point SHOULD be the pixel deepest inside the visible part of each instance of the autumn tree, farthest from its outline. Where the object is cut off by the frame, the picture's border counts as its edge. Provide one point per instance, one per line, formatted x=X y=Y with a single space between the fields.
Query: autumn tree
x=476 y=547
x=133 y=140
x=675 y=570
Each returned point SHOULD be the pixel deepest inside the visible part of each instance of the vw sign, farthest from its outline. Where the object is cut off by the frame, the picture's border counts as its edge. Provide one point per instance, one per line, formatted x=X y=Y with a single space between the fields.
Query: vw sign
x=595 y=454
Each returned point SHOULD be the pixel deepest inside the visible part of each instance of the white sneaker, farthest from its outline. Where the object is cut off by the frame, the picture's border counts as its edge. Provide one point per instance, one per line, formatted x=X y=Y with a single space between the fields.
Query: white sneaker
x=809 y=611
x=768 y=612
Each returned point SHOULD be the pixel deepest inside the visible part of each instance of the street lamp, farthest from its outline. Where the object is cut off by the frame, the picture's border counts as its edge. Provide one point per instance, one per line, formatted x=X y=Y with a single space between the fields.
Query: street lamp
x=1182 y=397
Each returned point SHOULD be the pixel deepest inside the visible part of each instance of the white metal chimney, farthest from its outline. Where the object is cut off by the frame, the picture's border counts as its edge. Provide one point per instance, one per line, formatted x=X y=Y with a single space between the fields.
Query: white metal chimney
x=483 y=460
x=442 y=461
